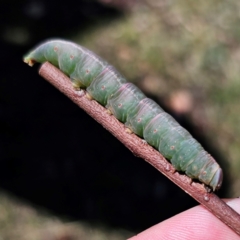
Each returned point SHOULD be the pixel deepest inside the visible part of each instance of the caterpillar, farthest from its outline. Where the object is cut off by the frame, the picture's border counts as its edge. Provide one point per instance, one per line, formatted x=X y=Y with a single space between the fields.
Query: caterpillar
x=129 y=105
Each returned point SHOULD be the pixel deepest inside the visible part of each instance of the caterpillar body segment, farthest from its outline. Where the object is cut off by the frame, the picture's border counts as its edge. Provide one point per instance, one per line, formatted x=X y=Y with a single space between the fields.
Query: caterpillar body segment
x=105 y=85
x=124 y=101
x=138 y=119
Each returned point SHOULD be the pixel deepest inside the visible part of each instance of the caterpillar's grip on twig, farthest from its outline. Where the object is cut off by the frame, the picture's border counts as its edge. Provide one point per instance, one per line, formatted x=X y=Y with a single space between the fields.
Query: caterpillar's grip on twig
x=129 y=105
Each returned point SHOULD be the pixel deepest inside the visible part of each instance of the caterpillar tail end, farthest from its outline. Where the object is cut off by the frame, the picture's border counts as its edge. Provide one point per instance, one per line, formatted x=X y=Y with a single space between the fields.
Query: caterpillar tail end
x=217 y=179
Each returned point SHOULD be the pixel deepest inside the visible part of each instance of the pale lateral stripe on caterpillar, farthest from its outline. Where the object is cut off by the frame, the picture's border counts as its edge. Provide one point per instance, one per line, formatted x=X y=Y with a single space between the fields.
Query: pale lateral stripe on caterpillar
x=130 y=106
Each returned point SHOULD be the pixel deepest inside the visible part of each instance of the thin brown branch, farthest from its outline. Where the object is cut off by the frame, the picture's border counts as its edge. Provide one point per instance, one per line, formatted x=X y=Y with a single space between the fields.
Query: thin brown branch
x=141 y=149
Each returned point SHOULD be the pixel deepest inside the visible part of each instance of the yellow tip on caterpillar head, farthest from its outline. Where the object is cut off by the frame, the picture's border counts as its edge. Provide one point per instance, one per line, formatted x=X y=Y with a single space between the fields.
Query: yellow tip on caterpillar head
x=29 y=61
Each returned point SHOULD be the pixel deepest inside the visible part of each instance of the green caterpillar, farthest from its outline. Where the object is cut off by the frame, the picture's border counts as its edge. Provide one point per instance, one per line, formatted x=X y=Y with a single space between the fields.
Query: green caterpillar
x=129 y=105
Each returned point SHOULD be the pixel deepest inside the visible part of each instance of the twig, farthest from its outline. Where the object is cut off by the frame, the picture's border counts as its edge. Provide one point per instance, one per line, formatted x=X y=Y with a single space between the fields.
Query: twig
x=214 y=204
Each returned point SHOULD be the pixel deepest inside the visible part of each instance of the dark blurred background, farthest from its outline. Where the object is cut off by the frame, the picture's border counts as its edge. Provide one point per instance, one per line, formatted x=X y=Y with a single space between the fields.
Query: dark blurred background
x=62 y=176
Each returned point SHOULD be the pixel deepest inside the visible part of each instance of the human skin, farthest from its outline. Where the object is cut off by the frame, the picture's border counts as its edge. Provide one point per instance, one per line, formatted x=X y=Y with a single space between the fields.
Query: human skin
x=195 y=223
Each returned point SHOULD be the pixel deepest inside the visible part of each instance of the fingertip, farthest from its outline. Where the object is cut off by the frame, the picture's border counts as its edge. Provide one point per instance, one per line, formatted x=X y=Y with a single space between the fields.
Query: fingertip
x=234 y=203
x=195 y=223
